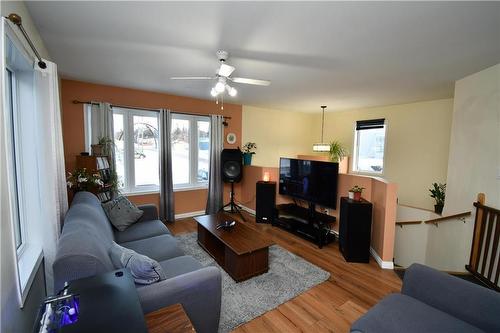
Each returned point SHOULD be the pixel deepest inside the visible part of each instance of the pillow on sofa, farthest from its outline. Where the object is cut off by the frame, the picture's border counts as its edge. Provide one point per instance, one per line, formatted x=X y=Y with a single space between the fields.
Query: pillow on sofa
x=122 y=213
x=144 y=269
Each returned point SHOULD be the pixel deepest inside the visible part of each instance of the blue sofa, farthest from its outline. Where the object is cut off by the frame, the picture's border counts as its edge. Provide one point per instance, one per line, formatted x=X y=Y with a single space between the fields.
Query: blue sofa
x=82 y=251
x=433 y=301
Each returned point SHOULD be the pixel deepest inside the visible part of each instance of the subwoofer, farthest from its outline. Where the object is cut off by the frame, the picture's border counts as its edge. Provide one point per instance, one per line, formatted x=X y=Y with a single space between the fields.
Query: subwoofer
x=265 y=202
x=232 y=168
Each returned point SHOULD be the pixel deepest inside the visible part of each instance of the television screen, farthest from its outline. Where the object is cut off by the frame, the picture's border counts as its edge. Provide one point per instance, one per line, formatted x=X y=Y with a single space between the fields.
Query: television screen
x=314 y=181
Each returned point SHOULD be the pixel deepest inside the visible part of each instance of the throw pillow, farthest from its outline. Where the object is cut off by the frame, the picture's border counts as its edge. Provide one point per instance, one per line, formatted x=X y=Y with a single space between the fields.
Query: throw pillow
x=144 y=270
x=122 y=213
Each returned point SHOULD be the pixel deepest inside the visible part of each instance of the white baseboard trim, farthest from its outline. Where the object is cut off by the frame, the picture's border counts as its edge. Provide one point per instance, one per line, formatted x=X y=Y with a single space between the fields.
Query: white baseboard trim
x=189 y=214
x=381 y=263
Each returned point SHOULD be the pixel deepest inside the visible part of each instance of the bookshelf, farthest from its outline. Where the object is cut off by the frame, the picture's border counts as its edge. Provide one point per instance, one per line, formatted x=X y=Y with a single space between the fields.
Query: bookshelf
x=98 y=164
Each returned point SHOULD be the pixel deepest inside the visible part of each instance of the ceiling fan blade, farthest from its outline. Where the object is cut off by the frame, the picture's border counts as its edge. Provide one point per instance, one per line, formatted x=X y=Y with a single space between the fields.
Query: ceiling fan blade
x=250 y=81
x=191 y=78
x=225 y=70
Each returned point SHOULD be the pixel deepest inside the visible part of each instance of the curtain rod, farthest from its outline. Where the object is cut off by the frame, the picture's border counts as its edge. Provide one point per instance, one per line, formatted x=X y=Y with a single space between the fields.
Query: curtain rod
x=144 y=109
x=16 y=20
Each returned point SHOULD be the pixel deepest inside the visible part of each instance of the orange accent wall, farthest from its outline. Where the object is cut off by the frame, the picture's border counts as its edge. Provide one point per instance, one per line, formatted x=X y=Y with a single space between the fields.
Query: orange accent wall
x=74 y=135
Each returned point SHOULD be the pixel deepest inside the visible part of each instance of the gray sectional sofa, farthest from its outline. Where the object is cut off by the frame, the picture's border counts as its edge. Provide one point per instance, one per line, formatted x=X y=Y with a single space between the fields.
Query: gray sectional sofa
x=433 y=301
x=83 y=251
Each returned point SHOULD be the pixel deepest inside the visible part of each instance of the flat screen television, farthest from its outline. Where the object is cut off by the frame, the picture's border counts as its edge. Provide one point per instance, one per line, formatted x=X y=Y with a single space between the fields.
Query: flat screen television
x=313 y=181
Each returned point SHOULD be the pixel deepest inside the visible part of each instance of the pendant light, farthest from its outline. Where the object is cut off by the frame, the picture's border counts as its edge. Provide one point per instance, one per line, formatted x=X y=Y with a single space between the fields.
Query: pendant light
x=322 y=147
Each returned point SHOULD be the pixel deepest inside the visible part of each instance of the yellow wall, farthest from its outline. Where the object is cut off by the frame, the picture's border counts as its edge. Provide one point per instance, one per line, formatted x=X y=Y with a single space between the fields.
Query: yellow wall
x=417 y=143
x=277 y=134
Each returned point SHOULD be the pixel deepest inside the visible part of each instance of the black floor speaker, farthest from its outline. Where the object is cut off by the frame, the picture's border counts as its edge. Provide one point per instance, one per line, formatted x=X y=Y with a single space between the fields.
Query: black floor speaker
x=231 y=160
x=265 y=202
x=355 y=229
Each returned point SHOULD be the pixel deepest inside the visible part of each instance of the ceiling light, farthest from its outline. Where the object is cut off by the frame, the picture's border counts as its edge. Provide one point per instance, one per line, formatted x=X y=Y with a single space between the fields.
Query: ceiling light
x=231 y=91
x=219 y=87
x=213 y=92
x=322 y=147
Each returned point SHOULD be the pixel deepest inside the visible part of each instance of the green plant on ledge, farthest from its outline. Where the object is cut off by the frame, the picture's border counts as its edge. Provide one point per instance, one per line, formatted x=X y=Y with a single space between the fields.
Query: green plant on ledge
x=248 y=151
x=337 y=151
x=356 y=189
x=438 y=193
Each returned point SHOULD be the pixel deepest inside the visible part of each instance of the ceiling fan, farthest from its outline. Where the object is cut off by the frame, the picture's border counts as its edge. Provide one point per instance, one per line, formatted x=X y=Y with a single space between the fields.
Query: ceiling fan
x=223 y=76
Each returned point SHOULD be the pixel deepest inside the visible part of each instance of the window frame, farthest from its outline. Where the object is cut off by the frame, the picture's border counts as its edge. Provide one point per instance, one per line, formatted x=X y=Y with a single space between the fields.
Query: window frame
x=15 y=165
x=130 y=186
x=193 y=184
x=29 y=255
x=355 y=155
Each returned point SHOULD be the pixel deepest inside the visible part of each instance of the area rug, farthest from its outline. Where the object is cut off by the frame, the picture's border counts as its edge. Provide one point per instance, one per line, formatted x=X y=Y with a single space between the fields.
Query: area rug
x=288 y=276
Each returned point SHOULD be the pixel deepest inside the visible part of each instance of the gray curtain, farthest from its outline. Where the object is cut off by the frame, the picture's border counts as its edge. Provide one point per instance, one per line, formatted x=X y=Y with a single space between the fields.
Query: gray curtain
x=215 y=185
x=167 y=211
x=101 y=122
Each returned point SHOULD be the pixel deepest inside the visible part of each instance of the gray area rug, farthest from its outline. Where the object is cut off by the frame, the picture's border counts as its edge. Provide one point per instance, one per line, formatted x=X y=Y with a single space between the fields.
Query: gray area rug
x=288 y=276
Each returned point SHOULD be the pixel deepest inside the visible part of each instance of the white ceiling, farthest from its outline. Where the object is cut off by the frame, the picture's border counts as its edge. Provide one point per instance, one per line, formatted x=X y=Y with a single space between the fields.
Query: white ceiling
x=344 y=55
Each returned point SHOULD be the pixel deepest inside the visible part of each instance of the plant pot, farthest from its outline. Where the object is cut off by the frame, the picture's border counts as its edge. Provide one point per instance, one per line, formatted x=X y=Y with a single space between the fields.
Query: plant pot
x=351 y=195
x=357 y=196
x=438 y=209
x=247 y=159
x=97 y=150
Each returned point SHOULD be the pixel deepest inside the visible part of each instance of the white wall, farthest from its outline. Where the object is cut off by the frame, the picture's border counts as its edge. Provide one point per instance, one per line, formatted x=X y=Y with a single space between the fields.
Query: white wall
x=473 y=167
x=474 y=160
x=13 y=319
x=277 y=134
x=417 y=141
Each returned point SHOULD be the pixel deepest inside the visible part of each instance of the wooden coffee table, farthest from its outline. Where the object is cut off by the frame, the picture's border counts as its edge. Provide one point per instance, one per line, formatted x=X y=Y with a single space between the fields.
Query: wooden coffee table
x=241 y=251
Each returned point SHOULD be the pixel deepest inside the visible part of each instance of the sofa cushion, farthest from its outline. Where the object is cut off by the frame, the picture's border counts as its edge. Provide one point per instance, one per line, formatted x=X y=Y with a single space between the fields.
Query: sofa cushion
x=400 y=313
x=143 y=269
x=122 y=213
x=158 y=248
x=141 y=230
x=179 y=265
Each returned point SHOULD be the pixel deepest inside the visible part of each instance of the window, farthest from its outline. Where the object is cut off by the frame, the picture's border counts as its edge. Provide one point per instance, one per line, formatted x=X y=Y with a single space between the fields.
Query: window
x=190 y=150
x=21 y=127
x=137 y=149
x=12 y=123
x=369 y=142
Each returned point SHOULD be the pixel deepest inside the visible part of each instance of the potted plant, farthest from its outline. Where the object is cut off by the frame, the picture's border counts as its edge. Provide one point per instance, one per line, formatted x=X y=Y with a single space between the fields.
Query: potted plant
x=248 y=151
x=355 y=192
x=337 y=151
x=82 y=180
x=438 y=192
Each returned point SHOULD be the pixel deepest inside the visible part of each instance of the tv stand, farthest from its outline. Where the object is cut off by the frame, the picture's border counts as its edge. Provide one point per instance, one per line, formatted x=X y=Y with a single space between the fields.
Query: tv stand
x=305 y=222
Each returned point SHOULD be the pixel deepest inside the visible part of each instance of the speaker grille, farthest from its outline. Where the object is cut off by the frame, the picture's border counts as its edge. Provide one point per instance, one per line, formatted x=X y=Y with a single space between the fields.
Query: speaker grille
x=231 y=165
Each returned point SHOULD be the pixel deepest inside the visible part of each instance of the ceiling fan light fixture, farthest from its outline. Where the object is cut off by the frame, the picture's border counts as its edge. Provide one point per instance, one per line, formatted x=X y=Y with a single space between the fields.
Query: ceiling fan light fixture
x=219 y=87
x=231 y=91
x=213 y=92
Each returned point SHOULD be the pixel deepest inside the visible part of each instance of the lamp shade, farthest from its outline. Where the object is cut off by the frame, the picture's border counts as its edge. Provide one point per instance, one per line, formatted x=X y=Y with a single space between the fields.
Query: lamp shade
x=321 y=147
x=266 y=176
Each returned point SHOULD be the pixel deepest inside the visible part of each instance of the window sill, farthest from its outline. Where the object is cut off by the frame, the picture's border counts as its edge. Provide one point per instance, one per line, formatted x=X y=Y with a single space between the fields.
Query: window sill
x=132 y=194
x=367 y=173
x=191 y=188
x=29 y=263
x=179 y=189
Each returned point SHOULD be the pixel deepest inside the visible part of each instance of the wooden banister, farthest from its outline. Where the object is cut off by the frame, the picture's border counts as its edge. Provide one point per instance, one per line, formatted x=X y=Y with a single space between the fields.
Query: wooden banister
x=446 y=218
x=403 y=223
x=483 y=262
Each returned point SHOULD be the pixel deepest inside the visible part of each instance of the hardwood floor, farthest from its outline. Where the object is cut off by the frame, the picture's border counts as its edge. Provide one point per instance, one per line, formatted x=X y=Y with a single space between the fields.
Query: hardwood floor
x=331 y=306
